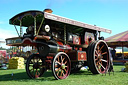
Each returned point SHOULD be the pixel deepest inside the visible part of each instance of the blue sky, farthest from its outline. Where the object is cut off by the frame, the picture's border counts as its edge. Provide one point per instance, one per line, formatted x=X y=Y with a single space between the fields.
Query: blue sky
x=110 y=14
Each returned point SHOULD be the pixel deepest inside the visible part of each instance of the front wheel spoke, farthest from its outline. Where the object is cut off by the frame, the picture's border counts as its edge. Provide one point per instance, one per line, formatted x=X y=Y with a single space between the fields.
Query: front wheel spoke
x=31 y=69
x=37 y=74
x=104 y=60
x=33 y=60
x=41 y=66
x=30 y=65
x=39 y=60
x=36 y=60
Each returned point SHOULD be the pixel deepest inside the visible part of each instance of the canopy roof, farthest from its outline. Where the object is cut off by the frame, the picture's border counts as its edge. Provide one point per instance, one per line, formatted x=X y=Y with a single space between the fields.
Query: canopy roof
x=118 y=40
x=27 y=19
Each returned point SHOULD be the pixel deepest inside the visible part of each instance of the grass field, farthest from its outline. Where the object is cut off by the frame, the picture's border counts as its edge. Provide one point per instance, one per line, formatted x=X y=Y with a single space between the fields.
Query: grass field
x=81 y=78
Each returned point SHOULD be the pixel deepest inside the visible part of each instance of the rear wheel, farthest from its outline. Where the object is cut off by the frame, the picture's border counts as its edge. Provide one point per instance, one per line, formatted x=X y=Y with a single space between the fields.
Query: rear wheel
x=34 y=66
x=61 y=66
x=98 y=57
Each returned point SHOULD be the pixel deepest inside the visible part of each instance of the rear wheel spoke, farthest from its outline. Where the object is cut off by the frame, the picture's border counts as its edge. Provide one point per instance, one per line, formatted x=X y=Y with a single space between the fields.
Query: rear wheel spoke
x=61 y=72
x=58 y=73
x=102 y=66
x=98 y=48
x=65 y=62
x=61 y=59
x=56 y=66
x=96 y=53
x=65 y=70
x=58 y=62
x=104 y=60
x=58 y=59
x=57 y=69
x=104 y=53
x=66 y=66
x=101 y=47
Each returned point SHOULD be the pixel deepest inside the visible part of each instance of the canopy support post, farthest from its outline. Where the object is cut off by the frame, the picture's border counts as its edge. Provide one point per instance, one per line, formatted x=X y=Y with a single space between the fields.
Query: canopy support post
x=40 y=26
x=65 y=34
x=35 y=26
x=21 y=30
x=17 y=30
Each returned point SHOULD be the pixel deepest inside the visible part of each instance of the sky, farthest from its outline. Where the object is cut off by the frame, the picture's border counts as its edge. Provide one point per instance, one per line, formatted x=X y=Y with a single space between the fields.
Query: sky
x=109 y=14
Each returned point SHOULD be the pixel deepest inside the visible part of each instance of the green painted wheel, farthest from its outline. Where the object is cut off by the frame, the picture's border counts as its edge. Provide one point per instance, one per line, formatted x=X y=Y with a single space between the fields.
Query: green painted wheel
x=34 y=66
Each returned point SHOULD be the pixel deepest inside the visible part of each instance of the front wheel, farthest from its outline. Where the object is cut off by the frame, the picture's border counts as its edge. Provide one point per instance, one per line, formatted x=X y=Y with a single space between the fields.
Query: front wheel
x=34 y=66
x=61 y=66
x=98 y=57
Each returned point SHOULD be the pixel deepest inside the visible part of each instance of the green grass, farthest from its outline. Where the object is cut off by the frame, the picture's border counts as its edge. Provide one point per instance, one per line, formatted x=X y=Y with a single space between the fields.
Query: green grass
x=81 y=78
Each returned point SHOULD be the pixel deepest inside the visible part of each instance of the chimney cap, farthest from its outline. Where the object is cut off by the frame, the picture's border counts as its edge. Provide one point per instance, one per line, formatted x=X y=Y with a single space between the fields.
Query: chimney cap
x=48 y=10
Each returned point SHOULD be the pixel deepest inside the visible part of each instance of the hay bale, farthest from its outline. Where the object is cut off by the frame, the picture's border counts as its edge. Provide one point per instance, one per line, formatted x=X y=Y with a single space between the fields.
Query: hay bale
x=16 y=63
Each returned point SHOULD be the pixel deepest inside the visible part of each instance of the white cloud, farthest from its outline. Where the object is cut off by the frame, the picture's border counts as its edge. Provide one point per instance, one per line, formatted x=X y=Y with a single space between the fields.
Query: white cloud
x=4 y=33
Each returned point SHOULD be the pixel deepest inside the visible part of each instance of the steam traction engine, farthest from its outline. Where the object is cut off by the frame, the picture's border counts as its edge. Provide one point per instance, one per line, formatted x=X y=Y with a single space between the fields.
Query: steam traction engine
x=63 y=45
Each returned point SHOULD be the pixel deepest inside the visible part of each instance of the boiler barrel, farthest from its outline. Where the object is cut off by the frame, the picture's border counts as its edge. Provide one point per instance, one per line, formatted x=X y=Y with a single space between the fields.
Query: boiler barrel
x=45 y=50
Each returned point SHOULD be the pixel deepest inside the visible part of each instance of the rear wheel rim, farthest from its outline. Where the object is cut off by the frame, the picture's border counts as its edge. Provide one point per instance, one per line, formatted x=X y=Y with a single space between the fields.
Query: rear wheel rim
x=101 y=57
